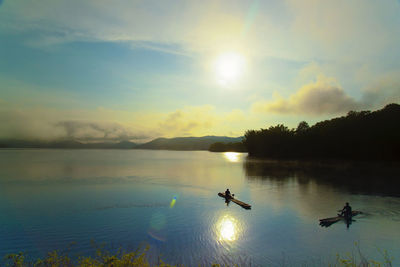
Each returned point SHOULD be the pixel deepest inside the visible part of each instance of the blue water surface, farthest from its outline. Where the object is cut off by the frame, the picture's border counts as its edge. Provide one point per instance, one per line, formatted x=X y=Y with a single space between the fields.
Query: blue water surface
x=76 y=200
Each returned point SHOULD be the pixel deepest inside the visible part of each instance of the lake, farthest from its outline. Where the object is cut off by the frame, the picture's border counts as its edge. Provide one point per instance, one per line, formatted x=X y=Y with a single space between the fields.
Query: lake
x=75 y=200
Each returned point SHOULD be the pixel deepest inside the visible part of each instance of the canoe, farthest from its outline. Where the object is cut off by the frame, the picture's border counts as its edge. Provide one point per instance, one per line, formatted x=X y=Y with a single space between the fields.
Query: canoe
x=240 y=203
x=332 y=220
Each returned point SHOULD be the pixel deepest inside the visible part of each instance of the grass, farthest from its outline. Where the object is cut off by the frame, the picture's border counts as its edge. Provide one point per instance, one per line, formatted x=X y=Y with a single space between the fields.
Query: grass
x=139 y=258
x=54 y=259
x=351 y=260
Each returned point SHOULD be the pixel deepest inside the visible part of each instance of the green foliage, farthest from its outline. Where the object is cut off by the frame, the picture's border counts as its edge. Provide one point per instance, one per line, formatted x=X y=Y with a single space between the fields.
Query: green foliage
x=138 y=258
x=350 y=260
x=187 y=143
x=302 y=128
x=15 y=260
x=276 y=141
x=53 y=259
x=103 y=259
x=227 y=147
x=359 y=135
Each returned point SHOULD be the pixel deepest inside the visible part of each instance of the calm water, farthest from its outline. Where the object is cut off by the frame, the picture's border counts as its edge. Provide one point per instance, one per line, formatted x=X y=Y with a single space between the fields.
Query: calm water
x=68 y=199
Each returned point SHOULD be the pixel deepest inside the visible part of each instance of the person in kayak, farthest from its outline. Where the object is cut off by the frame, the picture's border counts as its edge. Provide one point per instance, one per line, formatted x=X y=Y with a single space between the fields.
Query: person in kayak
x=228 y=193
x=346 y=211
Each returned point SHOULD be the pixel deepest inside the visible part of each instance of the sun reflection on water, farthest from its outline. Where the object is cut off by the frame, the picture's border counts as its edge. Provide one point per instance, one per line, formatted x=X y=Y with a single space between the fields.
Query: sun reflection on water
x=232 y=156
x=227 y=228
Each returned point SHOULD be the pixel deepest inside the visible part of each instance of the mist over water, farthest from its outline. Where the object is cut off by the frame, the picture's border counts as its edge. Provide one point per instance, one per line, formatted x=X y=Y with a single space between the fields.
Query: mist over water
x=67 y=199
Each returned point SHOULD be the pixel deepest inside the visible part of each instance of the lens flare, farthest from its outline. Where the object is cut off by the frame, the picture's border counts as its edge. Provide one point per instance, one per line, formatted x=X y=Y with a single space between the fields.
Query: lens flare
x=173 y=201
x=157 y=226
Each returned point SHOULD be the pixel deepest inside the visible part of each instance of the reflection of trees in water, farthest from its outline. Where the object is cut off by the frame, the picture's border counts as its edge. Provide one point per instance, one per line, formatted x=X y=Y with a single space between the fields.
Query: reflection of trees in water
x=355 y=177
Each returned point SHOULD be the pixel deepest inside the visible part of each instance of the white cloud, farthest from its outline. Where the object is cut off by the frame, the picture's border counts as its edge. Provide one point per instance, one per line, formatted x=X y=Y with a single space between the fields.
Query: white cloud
x=102 y=124
x=33 y=123
x=190 y=121
x=320 y=97
x=331 y=32
x=384 y=90
x=346 y=30
x=329 y=29
x=326 y=96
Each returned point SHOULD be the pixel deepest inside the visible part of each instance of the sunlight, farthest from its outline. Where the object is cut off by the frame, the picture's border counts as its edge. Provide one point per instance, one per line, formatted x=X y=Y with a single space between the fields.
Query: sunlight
x=227 y=229
x=232 y=156
x=229 y=67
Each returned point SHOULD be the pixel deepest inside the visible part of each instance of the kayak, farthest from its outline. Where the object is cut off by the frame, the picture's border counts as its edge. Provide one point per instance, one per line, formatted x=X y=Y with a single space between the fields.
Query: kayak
x=332 y=220
x=240 y=203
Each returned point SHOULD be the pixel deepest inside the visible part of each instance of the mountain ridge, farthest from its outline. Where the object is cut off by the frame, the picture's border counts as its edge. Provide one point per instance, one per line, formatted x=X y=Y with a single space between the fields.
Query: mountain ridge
x=161 y=143
x=186 y=143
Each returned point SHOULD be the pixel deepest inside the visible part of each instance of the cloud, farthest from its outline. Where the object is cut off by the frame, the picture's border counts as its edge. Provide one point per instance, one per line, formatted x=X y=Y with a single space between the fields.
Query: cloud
x=48 y=124
x=192 y=24
x=326 y=96
x=320 y=97
x=190 y=121
x=96 y=131
x=107 y=125
x=343 y=29
x=202 y=121
x=18 y=124
x=384 y=90
x=339 y=28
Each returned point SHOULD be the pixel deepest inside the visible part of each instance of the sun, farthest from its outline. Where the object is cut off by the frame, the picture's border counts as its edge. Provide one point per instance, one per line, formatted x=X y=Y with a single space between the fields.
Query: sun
x=229 y=67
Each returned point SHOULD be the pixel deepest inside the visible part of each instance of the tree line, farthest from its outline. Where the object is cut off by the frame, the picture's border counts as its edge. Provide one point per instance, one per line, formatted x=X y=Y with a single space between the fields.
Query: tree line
x=358 y=135
x=228 y=147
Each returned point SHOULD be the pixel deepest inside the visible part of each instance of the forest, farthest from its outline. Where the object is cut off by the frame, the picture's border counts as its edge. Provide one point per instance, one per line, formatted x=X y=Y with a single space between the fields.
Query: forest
x=358 y=135
x=228 y=147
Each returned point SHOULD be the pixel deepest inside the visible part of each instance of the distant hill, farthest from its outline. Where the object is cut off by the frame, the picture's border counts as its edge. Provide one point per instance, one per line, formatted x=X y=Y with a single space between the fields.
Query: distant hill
x=67 y=144
x=187 y=143
x=178 y=143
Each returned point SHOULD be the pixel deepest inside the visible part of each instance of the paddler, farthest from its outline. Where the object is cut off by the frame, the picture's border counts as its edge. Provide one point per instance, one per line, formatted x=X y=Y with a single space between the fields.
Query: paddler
x=346 y=211
x=228 y=193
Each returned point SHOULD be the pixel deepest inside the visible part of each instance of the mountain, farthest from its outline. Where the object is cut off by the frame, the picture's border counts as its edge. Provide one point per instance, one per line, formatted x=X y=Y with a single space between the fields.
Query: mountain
x=187 y=143
x=178 y=143
x=108 y=145
x=65 y=144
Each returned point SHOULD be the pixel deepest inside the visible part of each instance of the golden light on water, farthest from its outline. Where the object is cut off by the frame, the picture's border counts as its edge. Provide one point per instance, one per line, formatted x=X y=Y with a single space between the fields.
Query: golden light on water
x=227 y=229
x=232 y=156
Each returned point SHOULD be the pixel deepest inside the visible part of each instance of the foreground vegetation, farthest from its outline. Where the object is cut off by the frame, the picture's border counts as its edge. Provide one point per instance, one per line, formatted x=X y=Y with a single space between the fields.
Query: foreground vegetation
x=359 y=135
x=139 y=258
x=54 y=259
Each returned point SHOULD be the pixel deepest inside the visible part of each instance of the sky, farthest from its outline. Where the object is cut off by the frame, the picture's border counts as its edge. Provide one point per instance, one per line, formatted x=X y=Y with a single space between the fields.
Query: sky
x=99 y=70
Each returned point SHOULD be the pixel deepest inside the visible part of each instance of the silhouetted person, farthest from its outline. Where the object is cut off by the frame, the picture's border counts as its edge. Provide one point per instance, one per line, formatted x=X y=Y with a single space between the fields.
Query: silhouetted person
x=346 y=211
x=227 y=201
x=228 y=193
x=348 y=222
